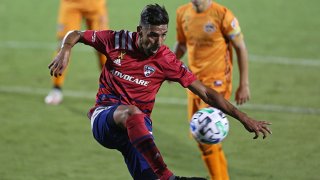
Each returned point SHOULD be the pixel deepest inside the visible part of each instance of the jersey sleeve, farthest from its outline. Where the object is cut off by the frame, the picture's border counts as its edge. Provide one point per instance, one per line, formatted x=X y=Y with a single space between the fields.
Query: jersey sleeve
x=176 y=70
x=230 y=25
x=98 y=39
x=179 y=30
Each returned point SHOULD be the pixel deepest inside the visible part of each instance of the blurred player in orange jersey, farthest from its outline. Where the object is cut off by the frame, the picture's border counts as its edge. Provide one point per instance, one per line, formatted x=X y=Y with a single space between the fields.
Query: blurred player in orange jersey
x=207 y=31
x=70 y=17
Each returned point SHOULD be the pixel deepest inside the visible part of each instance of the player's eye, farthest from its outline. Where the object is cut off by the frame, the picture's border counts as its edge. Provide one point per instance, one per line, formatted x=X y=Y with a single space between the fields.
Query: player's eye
x=153 y=34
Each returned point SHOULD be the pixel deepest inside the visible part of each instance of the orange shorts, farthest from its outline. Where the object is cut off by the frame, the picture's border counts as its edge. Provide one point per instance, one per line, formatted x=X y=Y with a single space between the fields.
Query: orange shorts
x=72 y=12
x=195 y=103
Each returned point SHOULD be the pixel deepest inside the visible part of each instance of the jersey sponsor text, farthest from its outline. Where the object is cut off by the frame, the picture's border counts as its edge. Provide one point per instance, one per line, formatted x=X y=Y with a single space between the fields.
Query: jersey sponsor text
x=129 y=78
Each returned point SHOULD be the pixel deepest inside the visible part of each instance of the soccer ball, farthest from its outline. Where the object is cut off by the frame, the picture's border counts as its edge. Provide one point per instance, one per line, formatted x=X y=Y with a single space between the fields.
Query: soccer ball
x=209 y=126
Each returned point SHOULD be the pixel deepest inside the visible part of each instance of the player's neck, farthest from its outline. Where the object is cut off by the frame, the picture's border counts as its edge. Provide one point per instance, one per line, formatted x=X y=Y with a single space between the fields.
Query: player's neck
x=141 y=49
x=203 y=7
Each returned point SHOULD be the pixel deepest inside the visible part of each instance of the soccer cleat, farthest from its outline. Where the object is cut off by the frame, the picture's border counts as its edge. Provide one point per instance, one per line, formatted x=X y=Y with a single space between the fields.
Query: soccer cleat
x=188 y=178
x=54 y=97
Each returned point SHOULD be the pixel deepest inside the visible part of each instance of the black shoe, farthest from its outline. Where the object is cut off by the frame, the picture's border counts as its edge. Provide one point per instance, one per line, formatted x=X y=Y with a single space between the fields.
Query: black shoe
x=189 y=178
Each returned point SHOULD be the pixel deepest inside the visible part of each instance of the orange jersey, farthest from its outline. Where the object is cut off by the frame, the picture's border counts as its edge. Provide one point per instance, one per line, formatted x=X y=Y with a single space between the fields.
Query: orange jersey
x=209 y=51
x=72 y=12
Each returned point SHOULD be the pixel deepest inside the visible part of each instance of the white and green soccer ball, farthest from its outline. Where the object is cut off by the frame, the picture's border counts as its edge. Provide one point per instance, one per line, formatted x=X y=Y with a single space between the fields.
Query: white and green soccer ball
x=209 y=126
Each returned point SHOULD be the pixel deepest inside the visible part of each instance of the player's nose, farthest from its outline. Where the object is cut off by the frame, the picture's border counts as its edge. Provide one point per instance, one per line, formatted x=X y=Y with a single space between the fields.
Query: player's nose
x=160 y=41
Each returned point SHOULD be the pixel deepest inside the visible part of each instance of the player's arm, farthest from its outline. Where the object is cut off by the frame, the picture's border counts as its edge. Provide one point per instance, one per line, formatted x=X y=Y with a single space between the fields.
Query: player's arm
x=60 y=62
x=180 y=46
x=179 y=49
x=215 y=99
x=243 y=92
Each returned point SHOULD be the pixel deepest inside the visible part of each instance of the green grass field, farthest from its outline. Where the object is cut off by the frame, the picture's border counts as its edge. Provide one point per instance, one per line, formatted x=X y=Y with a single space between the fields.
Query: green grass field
x=40 y=142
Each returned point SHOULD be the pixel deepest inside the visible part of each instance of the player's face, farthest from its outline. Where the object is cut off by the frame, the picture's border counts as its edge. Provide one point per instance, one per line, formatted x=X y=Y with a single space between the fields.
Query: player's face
x=200 y=5
x=151 y=37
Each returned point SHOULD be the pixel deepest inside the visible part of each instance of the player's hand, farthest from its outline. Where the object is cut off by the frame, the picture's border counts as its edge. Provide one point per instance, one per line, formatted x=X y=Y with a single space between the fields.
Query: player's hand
x=59 y=63
x=242 y=95
x=257 y=127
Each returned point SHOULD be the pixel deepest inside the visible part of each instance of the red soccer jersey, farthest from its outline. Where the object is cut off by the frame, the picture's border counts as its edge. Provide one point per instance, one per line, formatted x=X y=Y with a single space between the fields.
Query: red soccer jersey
x=129 y=77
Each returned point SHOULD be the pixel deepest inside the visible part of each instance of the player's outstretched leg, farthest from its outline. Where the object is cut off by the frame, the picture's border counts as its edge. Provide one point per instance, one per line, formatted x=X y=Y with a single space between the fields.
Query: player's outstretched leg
x=142 y=140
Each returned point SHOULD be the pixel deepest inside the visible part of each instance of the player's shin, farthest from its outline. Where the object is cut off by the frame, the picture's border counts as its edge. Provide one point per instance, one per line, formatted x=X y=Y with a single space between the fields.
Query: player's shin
x=215 y=161
x=142 y=140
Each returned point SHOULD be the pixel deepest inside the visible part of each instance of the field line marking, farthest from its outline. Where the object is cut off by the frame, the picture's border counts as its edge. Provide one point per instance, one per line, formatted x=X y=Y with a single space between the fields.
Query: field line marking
x=252 y=57
x=160 y=100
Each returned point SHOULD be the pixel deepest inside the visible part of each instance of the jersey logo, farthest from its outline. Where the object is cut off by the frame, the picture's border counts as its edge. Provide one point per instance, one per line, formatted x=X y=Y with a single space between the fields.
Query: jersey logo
x=120 y=57
x=235 y=23
x=148 y=70
x=122 y=53
x=117 y=62
x=218 y=83
x=209 y=28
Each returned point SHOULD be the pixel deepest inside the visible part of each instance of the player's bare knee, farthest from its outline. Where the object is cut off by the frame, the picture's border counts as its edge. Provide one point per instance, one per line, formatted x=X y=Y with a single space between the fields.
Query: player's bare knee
x=132 y=110
x=123 y=113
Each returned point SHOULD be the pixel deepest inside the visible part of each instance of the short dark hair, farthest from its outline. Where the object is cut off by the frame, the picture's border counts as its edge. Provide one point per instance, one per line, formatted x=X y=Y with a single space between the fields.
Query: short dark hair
x=154 y=14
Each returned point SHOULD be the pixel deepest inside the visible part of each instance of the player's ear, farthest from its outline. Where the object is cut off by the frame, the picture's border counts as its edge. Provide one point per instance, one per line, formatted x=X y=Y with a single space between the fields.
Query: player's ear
x=139 y=28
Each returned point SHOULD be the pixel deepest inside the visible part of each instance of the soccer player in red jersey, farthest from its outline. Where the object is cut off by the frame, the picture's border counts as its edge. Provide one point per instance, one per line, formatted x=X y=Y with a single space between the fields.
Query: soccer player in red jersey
x=138 y=64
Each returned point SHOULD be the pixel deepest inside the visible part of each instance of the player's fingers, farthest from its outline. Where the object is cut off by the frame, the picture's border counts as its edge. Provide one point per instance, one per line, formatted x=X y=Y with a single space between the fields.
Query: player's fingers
x=55 y=70
x=236 y=98
x=49 y=66
x=267 y=129
x=239 y=101
x=52 y=70
x=245 y=99
x=61 y=70
x=266 y=122
x=55 y=73
x=256 y=134
x=264 y=133
x=265 y=126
